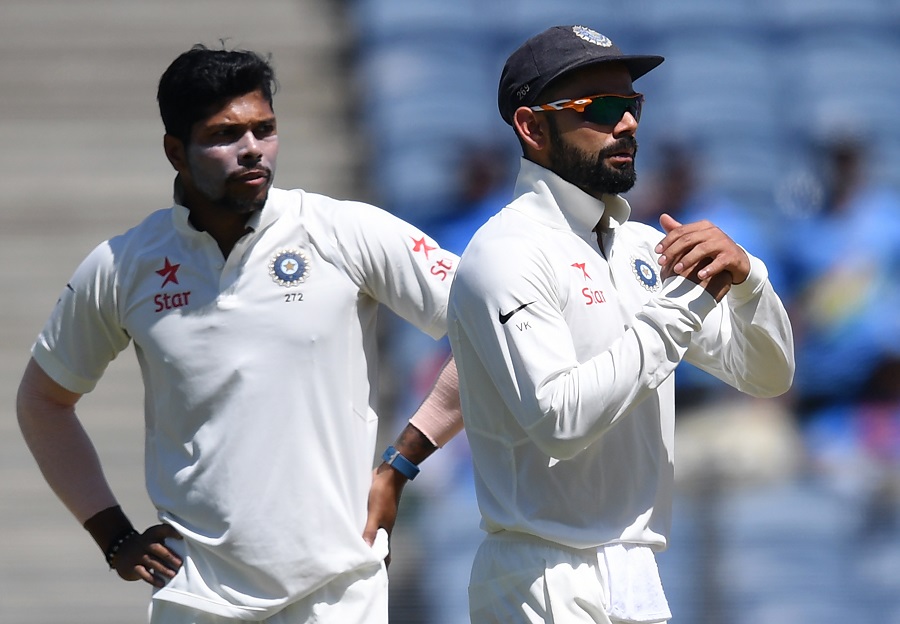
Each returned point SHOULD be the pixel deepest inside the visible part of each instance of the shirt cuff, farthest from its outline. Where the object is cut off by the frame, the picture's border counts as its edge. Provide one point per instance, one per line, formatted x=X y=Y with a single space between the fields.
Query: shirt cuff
x=754 y=283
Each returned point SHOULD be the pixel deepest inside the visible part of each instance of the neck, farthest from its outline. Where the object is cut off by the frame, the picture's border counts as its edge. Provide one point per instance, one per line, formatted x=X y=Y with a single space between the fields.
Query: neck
x=226 y=228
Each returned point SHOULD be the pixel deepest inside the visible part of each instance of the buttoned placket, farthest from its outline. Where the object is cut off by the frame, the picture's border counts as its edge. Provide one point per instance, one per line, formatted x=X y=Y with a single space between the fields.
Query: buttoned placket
x=604 y=239
x=604 y=242
x=231 y=270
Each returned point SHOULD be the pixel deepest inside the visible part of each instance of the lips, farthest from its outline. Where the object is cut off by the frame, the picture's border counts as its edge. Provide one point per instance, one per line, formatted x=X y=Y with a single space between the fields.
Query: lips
x=621 y=153
x=250 y=176
x=254 y=178
x=625 y=147
x=621 y=159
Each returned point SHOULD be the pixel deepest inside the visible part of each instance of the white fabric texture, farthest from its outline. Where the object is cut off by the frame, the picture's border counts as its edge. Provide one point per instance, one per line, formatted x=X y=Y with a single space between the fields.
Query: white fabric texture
x=260 y=386
x=520 y=579
x=358 y=596
x=633 y=584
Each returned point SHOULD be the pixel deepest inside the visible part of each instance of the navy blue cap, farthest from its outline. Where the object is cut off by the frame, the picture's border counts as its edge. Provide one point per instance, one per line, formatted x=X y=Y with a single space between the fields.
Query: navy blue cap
x=554 y=52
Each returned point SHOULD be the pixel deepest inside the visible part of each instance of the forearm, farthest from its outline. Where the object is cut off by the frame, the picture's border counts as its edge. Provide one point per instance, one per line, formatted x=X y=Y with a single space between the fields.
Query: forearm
x=436 y=421
x=439 y=418
x=749 y=342
x=388 y=481
x=61 y=448
x=762 y=348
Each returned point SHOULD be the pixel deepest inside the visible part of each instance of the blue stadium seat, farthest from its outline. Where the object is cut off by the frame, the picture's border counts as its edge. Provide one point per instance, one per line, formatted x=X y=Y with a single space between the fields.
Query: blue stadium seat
x=686 y=17
x=812 y=14
x=719 y=84
x=426 y=88
x=377 y=21
x=853 y=76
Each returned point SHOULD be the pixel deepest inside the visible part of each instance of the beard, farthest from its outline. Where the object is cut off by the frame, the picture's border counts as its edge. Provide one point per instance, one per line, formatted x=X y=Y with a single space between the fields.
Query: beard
x=233 y=203
x=241 y=205
x=589 y=172
x=225 y=192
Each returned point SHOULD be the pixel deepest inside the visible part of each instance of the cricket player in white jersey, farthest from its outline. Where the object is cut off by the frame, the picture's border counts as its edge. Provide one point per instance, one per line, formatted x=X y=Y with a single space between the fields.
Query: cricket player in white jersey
x=252 y=311
x=567 y=322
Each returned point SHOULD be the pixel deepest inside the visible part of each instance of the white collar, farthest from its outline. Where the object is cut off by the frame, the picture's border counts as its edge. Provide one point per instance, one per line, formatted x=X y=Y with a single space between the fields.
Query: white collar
x=258 y=221
x=561 y=204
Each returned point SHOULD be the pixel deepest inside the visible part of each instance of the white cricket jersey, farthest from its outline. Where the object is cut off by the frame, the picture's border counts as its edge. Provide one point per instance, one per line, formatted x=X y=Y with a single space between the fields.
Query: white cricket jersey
x=565 y=357
x=260 y=381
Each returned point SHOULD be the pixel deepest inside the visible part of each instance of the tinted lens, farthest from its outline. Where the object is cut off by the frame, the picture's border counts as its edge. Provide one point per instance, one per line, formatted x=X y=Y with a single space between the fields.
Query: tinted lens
x=609 y=109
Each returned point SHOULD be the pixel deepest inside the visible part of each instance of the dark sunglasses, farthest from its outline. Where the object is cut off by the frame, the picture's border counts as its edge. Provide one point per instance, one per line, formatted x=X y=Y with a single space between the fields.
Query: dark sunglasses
x=605 y=109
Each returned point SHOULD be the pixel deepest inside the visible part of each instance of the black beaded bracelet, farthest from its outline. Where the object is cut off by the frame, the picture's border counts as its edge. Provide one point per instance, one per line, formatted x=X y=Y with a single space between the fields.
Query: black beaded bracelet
x=117 y=544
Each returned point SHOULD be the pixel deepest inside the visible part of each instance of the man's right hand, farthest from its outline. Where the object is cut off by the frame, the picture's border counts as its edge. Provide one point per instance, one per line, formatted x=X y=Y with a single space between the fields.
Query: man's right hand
x=702 y=253
x=716 y=285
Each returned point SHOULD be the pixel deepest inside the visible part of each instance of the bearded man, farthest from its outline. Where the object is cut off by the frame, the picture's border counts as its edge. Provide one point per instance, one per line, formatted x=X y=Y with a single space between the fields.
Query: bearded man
x=567 y=322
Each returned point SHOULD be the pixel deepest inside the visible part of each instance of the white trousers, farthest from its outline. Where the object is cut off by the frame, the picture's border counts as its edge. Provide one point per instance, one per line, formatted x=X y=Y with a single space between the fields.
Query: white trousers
x=520 y=579
x=354 y=598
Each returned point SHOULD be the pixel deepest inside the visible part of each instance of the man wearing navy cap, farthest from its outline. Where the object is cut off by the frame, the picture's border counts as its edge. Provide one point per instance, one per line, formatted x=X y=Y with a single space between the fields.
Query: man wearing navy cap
x=567 y=322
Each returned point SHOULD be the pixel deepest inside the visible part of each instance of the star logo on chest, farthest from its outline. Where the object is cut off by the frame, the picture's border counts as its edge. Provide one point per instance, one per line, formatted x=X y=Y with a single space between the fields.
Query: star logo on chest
x=421 y=245
x=583 y=267
x=168 y=271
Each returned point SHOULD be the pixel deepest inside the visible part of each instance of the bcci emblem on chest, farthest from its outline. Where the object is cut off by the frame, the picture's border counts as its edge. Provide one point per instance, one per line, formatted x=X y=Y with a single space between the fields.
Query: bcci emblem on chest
x=645 y=273
x=289 y=267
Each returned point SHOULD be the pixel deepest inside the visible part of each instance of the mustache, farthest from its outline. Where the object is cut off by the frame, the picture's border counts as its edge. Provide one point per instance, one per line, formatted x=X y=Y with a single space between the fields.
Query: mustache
x=625 y=144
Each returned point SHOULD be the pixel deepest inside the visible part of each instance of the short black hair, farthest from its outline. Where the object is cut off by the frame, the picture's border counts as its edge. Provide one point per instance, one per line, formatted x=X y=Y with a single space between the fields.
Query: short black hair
x=200 y=80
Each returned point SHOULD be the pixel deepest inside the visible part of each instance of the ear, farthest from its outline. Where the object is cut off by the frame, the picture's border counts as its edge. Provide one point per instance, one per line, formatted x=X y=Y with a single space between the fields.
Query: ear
x=531 y=128
x=175 y=152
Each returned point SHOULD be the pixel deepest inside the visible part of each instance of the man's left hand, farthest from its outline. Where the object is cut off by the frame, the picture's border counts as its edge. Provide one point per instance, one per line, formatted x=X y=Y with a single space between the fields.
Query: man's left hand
x=700 y=248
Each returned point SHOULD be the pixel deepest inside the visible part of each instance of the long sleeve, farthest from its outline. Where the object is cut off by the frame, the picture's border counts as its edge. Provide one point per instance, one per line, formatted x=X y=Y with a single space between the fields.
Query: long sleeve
x=747 y=340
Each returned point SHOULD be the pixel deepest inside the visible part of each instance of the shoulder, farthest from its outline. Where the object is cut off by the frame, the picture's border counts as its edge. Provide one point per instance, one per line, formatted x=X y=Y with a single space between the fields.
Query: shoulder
x=158 y=228
x=510 y=245
x=334 y=208
x=342 y=218
x=637 y=230
x=641 y=235
x=121 y=250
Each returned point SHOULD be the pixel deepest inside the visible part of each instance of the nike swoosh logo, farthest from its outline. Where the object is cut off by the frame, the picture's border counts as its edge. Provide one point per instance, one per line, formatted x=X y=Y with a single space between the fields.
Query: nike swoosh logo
x=505 y=317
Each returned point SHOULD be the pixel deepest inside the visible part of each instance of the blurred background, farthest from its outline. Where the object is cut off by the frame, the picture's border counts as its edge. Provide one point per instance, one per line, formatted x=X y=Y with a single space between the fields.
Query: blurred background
x=775 y=119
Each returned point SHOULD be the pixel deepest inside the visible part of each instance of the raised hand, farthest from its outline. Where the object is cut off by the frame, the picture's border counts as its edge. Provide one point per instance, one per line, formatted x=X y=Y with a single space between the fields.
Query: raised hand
x=702 y=253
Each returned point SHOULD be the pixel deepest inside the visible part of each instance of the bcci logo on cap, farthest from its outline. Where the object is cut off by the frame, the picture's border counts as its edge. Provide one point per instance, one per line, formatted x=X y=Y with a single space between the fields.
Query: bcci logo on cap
x=289 y=267
x=592 y=36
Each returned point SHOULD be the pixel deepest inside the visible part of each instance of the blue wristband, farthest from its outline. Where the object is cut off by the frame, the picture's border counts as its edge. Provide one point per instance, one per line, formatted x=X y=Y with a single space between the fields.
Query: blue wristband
x=399 y=463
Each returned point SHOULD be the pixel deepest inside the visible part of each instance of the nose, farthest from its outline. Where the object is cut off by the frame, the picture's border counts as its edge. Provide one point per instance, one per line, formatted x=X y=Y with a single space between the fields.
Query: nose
x=250 y=149
x=627 y=125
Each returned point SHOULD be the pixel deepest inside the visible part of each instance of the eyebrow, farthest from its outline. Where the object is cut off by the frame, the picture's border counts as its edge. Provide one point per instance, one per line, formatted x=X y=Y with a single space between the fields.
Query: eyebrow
x=231 y=124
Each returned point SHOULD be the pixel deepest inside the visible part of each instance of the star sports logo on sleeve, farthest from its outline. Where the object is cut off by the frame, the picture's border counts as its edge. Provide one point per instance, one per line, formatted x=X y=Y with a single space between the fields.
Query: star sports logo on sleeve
x=440 y=268
x=421 y=245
